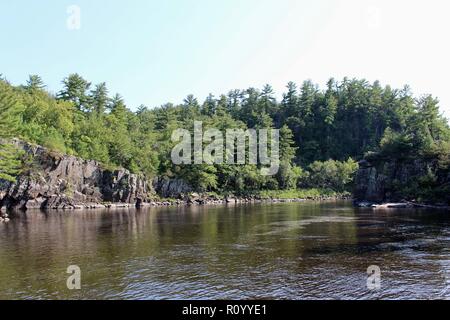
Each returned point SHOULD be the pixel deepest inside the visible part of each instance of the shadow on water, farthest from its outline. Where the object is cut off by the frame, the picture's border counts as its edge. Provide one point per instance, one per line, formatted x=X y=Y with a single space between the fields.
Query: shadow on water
x=280 y=251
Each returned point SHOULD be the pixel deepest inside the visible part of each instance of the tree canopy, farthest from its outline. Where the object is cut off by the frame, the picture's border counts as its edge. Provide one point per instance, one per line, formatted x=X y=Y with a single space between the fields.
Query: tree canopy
x=323 y=131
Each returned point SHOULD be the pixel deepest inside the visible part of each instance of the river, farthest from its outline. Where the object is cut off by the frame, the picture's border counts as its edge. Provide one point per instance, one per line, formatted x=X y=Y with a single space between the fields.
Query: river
x=310 y=250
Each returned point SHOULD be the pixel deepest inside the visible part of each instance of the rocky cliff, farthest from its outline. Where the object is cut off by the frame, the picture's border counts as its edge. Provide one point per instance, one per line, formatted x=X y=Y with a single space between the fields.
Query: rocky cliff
x=417 y=179
x=55 y=181
x=171 y=188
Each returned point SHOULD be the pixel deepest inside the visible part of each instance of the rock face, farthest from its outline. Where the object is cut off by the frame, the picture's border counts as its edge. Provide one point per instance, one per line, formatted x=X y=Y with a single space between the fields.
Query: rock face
x=171 y=188
x=381 y=181
x=369 y=183
x=55 y=181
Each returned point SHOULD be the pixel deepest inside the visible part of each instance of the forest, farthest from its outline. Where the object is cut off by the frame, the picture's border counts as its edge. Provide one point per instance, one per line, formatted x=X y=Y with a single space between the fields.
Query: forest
x=324 y=132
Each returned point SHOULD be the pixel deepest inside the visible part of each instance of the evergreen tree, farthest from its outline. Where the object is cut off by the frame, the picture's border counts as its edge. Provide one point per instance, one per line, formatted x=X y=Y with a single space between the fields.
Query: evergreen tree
x=99 y=98
x=10 y=110
x=75 y=90
x=10 y=162
x=209 y=106
x=286 y=176
x=34 y=83
x=348 y=119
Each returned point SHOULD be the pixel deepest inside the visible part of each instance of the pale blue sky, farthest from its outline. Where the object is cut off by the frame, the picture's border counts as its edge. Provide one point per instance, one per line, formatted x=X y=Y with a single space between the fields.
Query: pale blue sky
x=153 y=52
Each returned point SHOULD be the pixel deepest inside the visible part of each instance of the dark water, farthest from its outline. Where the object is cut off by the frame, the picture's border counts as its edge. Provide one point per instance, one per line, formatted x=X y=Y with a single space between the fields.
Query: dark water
x=277 y=251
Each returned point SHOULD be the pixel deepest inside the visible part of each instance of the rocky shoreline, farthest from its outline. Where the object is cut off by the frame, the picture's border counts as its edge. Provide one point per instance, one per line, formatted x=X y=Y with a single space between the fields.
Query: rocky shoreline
x=400 y=182
x=55 y=181
x=202 y=201
x=193 y=200
x=190 y=201
x=399 y=205
x=58 y=181
x=63 y=182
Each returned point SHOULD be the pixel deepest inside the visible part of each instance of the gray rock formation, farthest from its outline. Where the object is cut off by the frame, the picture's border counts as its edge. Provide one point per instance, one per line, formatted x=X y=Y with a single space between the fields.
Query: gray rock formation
x=421 y=179
x=55 y=181
x=369 y=183
x=171 y=188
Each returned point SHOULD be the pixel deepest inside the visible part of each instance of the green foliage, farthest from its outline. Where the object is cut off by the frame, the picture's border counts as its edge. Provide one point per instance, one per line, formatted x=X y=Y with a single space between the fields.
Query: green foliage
x=75 y=90
x=332 y=174
x=34 y=83
x=395 y=144
x=10 y=162
x=347 y=120
x=310 y=193
x=10 y=110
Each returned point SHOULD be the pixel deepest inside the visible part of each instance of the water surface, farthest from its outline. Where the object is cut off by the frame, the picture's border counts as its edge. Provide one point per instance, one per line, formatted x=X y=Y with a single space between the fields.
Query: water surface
x=261 y=251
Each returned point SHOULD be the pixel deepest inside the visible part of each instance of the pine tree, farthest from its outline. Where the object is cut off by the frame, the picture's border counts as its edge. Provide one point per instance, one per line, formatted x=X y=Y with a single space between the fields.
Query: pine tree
x=34 y=83
x=286 y=176
x=75 y=89
x=209 y=106
x=9 y=120
x=99 y=98
x=190 y=108
x=290 y=101
x=10 y=162
x=267 y=102
x=10 y=110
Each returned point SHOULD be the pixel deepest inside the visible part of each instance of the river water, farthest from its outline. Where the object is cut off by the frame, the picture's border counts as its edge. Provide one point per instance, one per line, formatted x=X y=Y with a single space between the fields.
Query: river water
x=260 y=251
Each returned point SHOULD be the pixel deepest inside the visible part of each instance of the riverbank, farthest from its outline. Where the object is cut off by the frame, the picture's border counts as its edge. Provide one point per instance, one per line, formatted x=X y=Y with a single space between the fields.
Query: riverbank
x=267 y=196
x=6 y=215
x=400 y=205
x=54 y=181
